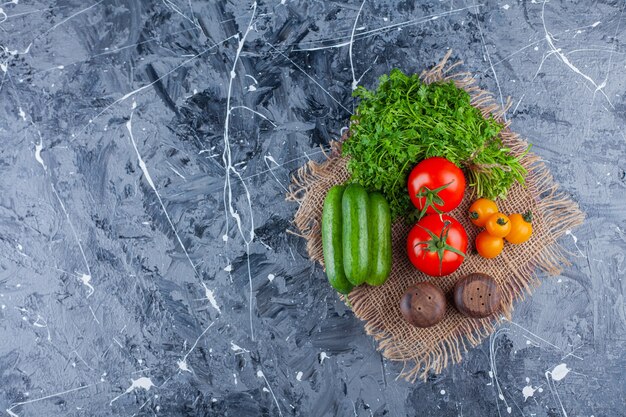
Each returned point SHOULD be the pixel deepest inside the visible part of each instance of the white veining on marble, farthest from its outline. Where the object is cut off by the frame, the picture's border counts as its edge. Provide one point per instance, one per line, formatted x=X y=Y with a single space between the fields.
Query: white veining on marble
x=210 y=296
x=355 y=82
x=69 y=18
x=518 y=103
x=175 y=171
x=279 y=165
x=237 y=349
x=260 y=374
x=169 y=4
x=84 y=278
x=345 y=41
x=556 y=374
x=559 y=372
x=94 y=315
x=38 y=149
x=554 y=50
x=182 y=364
x=148 y=177
x=39 y=322
x=143 y=383
x=108 y=51
x=255 y=112
x=580 y=254
x=229 y=168
x=138 y=90
x=309 y=76
x=267 y=159
x=34 y=400
x=543 y=340
x=528 y=390
x=493 y=70
x=493 y=373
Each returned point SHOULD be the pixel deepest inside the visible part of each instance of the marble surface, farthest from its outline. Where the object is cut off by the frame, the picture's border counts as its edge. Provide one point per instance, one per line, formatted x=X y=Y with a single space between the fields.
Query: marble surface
x=146 y=147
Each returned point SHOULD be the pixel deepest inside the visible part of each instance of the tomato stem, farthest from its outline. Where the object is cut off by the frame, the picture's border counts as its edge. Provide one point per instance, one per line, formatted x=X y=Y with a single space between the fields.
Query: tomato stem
x=528 y=216
x=439 y=244
x=432 y=198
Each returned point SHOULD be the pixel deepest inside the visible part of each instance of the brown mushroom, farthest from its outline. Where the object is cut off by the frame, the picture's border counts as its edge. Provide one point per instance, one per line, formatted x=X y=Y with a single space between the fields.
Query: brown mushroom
x=477 y=295
x=423 y=304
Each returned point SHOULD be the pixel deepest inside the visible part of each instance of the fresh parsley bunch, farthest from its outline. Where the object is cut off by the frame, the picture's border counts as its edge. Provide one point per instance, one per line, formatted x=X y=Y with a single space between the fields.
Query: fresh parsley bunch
x=405 y=121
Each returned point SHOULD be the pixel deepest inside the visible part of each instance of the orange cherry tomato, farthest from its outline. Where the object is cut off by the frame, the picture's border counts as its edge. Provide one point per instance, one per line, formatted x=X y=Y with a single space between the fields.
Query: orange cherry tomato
x=488 y=246
x=480 y=210
x=498 y=225
x=521 y=229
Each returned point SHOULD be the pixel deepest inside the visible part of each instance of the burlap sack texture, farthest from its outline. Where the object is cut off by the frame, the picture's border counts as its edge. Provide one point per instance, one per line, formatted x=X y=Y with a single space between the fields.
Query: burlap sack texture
x=516 y=269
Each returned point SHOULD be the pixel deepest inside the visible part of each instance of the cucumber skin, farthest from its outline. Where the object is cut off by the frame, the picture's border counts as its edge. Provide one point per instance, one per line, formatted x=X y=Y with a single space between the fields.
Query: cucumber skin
x=380 y=240
x=355 y=236
x=332 y=242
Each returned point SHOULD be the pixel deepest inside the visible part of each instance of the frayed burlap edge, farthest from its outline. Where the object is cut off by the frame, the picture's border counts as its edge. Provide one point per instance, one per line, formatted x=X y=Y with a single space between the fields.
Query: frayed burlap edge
x=559 y=212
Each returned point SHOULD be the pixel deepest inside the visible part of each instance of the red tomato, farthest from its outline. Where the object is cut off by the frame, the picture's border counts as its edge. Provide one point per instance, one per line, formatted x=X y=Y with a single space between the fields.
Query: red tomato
x=437 y=245
x=436 y=185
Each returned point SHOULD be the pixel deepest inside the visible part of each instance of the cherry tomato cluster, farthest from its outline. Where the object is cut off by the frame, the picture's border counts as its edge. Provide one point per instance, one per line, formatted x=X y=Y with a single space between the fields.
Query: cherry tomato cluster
x=516 y=228
x=437 y=244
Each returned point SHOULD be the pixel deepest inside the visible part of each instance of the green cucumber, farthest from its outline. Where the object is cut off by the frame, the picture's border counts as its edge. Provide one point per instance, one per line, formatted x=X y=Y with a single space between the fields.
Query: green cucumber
x=380 y=240
x=355 y=236
x=331 y=240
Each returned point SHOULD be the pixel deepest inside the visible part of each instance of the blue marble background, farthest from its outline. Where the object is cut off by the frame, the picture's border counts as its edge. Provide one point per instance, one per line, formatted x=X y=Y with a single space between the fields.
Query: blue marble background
x=146 y=147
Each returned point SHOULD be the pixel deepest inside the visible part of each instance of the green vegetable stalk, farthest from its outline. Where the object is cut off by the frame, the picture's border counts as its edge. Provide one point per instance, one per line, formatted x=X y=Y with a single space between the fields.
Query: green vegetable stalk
x=405 y=121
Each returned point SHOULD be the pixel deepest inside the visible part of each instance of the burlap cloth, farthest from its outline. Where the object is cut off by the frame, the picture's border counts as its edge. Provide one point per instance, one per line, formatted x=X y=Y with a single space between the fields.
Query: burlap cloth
x=515 y=270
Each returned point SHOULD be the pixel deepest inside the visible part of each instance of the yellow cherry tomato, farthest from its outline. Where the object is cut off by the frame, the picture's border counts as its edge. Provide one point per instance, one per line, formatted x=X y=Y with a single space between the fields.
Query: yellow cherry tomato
x=498 y=225
x=488 y=246
x=480 y=210
x=521 y=228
